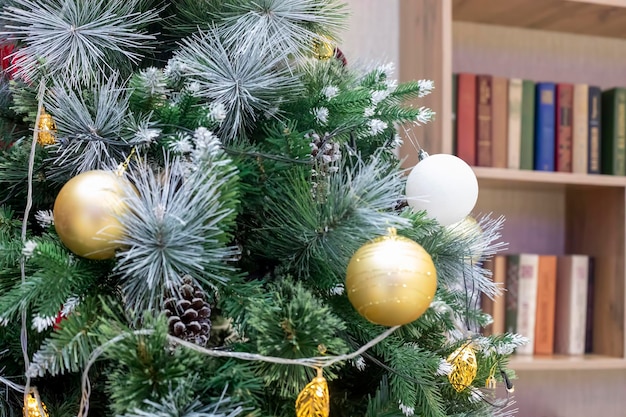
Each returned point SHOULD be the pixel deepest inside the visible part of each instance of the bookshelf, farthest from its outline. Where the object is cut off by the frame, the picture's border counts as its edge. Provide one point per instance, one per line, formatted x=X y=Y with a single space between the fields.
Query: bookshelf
x=577 y=41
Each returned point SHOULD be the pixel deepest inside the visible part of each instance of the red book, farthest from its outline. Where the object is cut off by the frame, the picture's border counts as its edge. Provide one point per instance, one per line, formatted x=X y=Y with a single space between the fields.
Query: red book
x=564 y=107
x=466 y=118
x=484 y=148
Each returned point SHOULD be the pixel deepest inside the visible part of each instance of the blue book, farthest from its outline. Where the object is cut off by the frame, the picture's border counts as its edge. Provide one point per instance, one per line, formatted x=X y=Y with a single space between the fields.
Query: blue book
x=545 y=142
x=595 y=132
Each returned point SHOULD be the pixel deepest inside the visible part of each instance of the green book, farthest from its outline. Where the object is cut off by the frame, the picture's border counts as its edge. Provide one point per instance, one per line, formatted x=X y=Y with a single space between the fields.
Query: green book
x=527 y=142
x=510 y=299
x=613 y=132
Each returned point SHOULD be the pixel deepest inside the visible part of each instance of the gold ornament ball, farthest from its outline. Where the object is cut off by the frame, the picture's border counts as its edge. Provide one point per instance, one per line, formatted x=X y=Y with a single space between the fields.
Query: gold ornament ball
x=464 y=367
x=86 y=213
x=46 y=129
x=323 y=49
x=391 y=280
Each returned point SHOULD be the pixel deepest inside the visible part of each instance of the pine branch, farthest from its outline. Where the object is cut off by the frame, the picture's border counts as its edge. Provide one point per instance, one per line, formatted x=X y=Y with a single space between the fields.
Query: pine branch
x=294 y=324
x=317 y=237
x=147 y=368
x=68 y=349
x=246 y=82
x=90 y=124
x=50 y=266
x=288 y=26
x=174 y=227
x=173 y=406
x=381 y=404
x=77 y=40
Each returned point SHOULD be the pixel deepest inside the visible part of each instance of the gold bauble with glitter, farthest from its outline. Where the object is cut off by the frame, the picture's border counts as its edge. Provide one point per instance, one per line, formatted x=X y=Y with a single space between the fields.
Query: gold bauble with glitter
x=391 y=280
x=464 y=367
x=31 y=407
x=314 y=399
x=86 y=213
x=323 y=49
x=46 y=129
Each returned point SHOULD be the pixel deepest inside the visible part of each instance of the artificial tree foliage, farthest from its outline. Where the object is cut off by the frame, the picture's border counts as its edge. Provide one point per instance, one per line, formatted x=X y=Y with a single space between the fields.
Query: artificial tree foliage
x=258 y=169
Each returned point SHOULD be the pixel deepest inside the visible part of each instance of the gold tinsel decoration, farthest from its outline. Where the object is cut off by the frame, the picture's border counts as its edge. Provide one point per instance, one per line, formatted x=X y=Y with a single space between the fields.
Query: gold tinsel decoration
x=464 y=367
x=314 y=400
x=46 y=129
x=31 y=406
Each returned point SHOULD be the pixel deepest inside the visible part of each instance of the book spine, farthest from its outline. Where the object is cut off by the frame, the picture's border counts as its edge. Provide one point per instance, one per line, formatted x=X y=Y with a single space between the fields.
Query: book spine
x=512 y=288
x=571 y=304
x=527 y=301
x=546 y=300
x=613 y=139
x=595 y=114
x=466 y=118
x=498 y=308
x=590 y=306
x=455 y=96
x=486 y=303
x=544 y=127
x=580 y=130
x=580 y=277
x=514 y=127
x=483 y=126
x=499 y=121
x=527 y=145
x=564 y=104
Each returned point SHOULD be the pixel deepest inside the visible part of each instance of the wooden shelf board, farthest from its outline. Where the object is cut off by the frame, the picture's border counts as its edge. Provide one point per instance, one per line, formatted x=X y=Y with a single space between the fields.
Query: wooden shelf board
x=586 y=17
x=566 y=363
x=502 y=177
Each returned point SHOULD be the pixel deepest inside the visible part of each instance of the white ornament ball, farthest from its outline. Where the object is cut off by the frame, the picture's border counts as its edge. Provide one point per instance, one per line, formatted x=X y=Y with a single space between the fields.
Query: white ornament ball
x=443 y=185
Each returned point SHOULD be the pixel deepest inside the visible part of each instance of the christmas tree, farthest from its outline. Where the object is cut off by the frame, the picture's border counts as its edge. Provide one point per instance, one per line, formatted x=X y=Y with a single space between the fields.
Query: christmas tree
x=202 y=214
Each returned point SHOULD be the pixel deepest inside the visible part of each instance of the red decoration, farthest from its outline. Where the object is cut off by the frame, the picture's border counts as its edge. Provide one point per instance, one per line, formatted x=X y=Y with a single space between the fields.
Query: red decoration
x=59 y=319
x=6 y=59
x=341 y=57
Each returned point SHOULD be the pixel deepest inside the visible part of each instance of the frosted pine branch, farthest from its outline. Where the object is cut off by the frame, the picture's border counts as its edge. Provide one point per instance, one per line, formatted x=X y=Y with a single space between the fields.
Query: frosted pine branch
x=77 y=39
x=246 y=83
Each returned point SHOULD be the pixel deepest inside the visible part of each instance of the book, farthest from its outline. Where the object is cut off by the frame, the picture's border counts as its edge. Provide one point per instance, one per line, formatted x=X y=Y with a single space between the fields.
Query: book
x=510 y=298
x=571 y=304
x=499 y=121
x=545 y=308
x=495 y=307
x=527 y=145
x=527 y=300
x=455 y=96
x=613 y=139
x=590 y=306
x=521 y=298
x=486 y=302
x=466 y=118
x=545 y=126
x=483 y=123
x=498 y=309
x=564 y=95
x=580 y=129
x=514 y=125
x=595 y=130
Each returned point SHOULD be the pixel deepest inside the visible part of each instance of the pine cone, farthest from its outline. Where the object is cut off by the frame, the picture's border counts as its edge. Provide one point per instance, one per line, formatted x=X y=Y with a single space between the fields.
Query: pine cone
x=189 y=314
